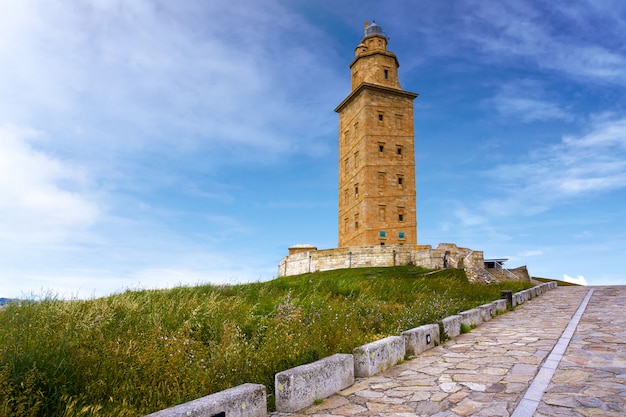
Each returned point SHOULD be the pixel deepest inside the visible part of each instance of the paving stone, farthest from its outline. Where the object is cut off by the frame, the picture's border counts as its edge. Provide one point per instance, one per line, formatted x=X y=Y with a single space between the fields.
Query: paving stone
x=496 y=388
x=494 y=410
x=474 y=386
x=370 y=394
x=329 y=403
x=467 y=407
x=427 y=408
x=421 y=396
x=450 y=387
x=457 y=396
x=561 y=400
x=349 y=410
x=439 y=396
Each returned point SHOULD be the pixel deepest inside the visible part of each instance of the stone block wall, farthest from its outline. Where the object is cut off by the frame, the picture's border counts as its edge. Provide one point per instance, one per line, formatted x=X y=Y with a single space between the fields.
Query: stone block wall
x=307 y=260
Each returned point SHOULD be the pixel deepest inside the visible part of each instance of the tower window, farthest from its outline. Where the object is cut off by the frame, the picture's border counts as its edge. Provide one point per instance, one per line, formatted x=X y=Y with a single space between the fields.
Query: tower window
x=380 y=117
x=400 y=235
x=382 y=234
x=400 y=217
x=400 y=180
x=400 y=151
x=398 y=121
x=386 y=74
x=356 y=190
x=356 y=221
x=381 y=179
x=381 y=148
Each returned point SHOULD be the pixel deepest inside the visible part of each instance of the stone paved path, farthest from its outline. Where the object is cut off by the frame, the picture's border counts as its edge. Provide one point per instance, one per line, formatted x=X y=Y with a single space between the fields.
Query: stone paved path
x=487 y=372
x=591 y=378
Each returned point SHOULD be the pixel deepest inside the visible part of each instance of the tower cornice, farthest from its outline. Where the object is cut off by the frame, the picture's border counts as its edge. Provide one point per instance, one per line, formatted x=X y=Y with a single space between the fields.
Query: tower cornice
x=375 y=52
x=376 y=87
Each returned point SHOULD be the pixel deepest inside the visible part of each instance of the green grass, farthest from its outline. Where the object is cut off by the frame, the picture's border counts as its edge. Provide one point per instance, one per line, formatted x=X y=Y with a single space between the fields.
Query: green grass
x=559 y=283
x=467 y=328
x=141 y=351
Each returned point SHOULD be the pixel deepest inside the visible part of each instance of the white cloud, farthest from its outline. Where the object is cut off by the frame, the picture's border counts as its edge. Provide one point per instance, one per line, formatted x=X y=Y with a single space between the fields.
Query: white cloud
x=526 y=100
x=594 y=162
x=137 y=75
x=580 y=280
x=607 y=133
x=572 y=45
x=529 y=109
x=43 y=199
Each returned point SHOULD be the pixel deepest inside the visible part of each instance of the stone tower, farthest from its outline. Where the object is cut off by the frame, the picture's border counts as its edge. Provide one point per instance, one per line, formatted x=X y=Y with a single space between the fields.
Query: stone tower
x=376 y=150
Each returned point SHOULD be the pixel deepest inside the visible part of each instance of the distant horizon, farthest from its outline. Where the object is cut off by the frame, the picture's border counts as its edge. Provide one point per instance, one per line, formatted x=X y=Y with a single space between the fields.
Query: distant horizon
x=150 y=144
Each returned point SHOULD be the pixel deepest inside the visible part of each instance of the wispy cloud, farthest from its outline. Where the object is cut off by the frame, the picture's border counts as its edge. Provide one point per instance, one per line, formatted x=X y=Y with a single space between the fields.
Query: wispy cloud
x=44 y=200
x=148 y=74
x=526 y=100
x=579 y=166
x=520 y=31
x=594 y=162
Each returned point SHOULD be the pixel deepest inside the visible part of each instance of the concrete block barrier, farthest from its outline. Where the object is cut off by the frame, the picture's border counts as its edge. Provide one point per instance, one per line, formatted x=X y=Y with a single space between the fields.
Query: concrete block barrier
x=500 y=305
x=421 y=338
x=299 y=387
x=247 y=400
x=452 y=326
x=375 y=357
x=487 y=311
x=471 y=318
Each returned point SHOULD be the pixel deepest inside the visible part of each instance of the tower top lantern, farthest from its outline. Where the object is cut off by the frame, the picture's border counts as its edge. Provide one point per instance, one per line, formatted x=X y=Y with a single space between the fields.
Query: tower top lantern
x=373 y=29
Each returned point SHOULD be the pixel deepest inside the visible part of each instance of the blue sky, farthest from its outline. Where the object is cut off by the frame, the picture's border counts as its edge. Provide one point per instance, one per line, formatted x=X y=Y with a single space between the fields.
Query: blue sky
x=146 y=144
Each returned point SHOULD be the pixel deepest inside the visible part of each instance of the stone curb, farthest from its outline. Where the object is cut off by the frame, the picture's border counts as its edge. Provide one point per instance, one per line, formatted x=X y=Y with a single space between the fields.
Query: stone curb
x=421 y=338
x=299 y=387
x=471 y=318
x=247 y=400
x=451 y=326
x=500 y=305
x=378 y=356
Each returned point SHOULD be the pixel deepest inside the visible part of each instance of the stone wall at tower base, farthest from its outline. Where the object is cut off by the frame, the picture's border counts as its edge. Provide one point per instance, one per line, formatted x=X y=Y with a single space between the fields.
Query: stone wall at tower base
x=445 y=255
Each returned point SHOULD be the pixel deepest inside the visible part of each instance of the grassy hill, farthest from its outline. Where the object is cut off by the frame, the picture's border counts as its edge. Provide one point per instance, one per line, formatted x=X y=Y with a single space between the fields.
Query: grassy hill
x=141 y=351
x=558 y=282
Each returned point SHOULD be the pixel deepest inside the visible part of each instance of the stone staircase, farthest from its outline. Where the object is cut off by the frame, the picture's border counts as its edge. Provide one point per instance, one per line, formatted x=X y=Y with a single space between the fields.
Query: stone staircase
x=491 y=275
